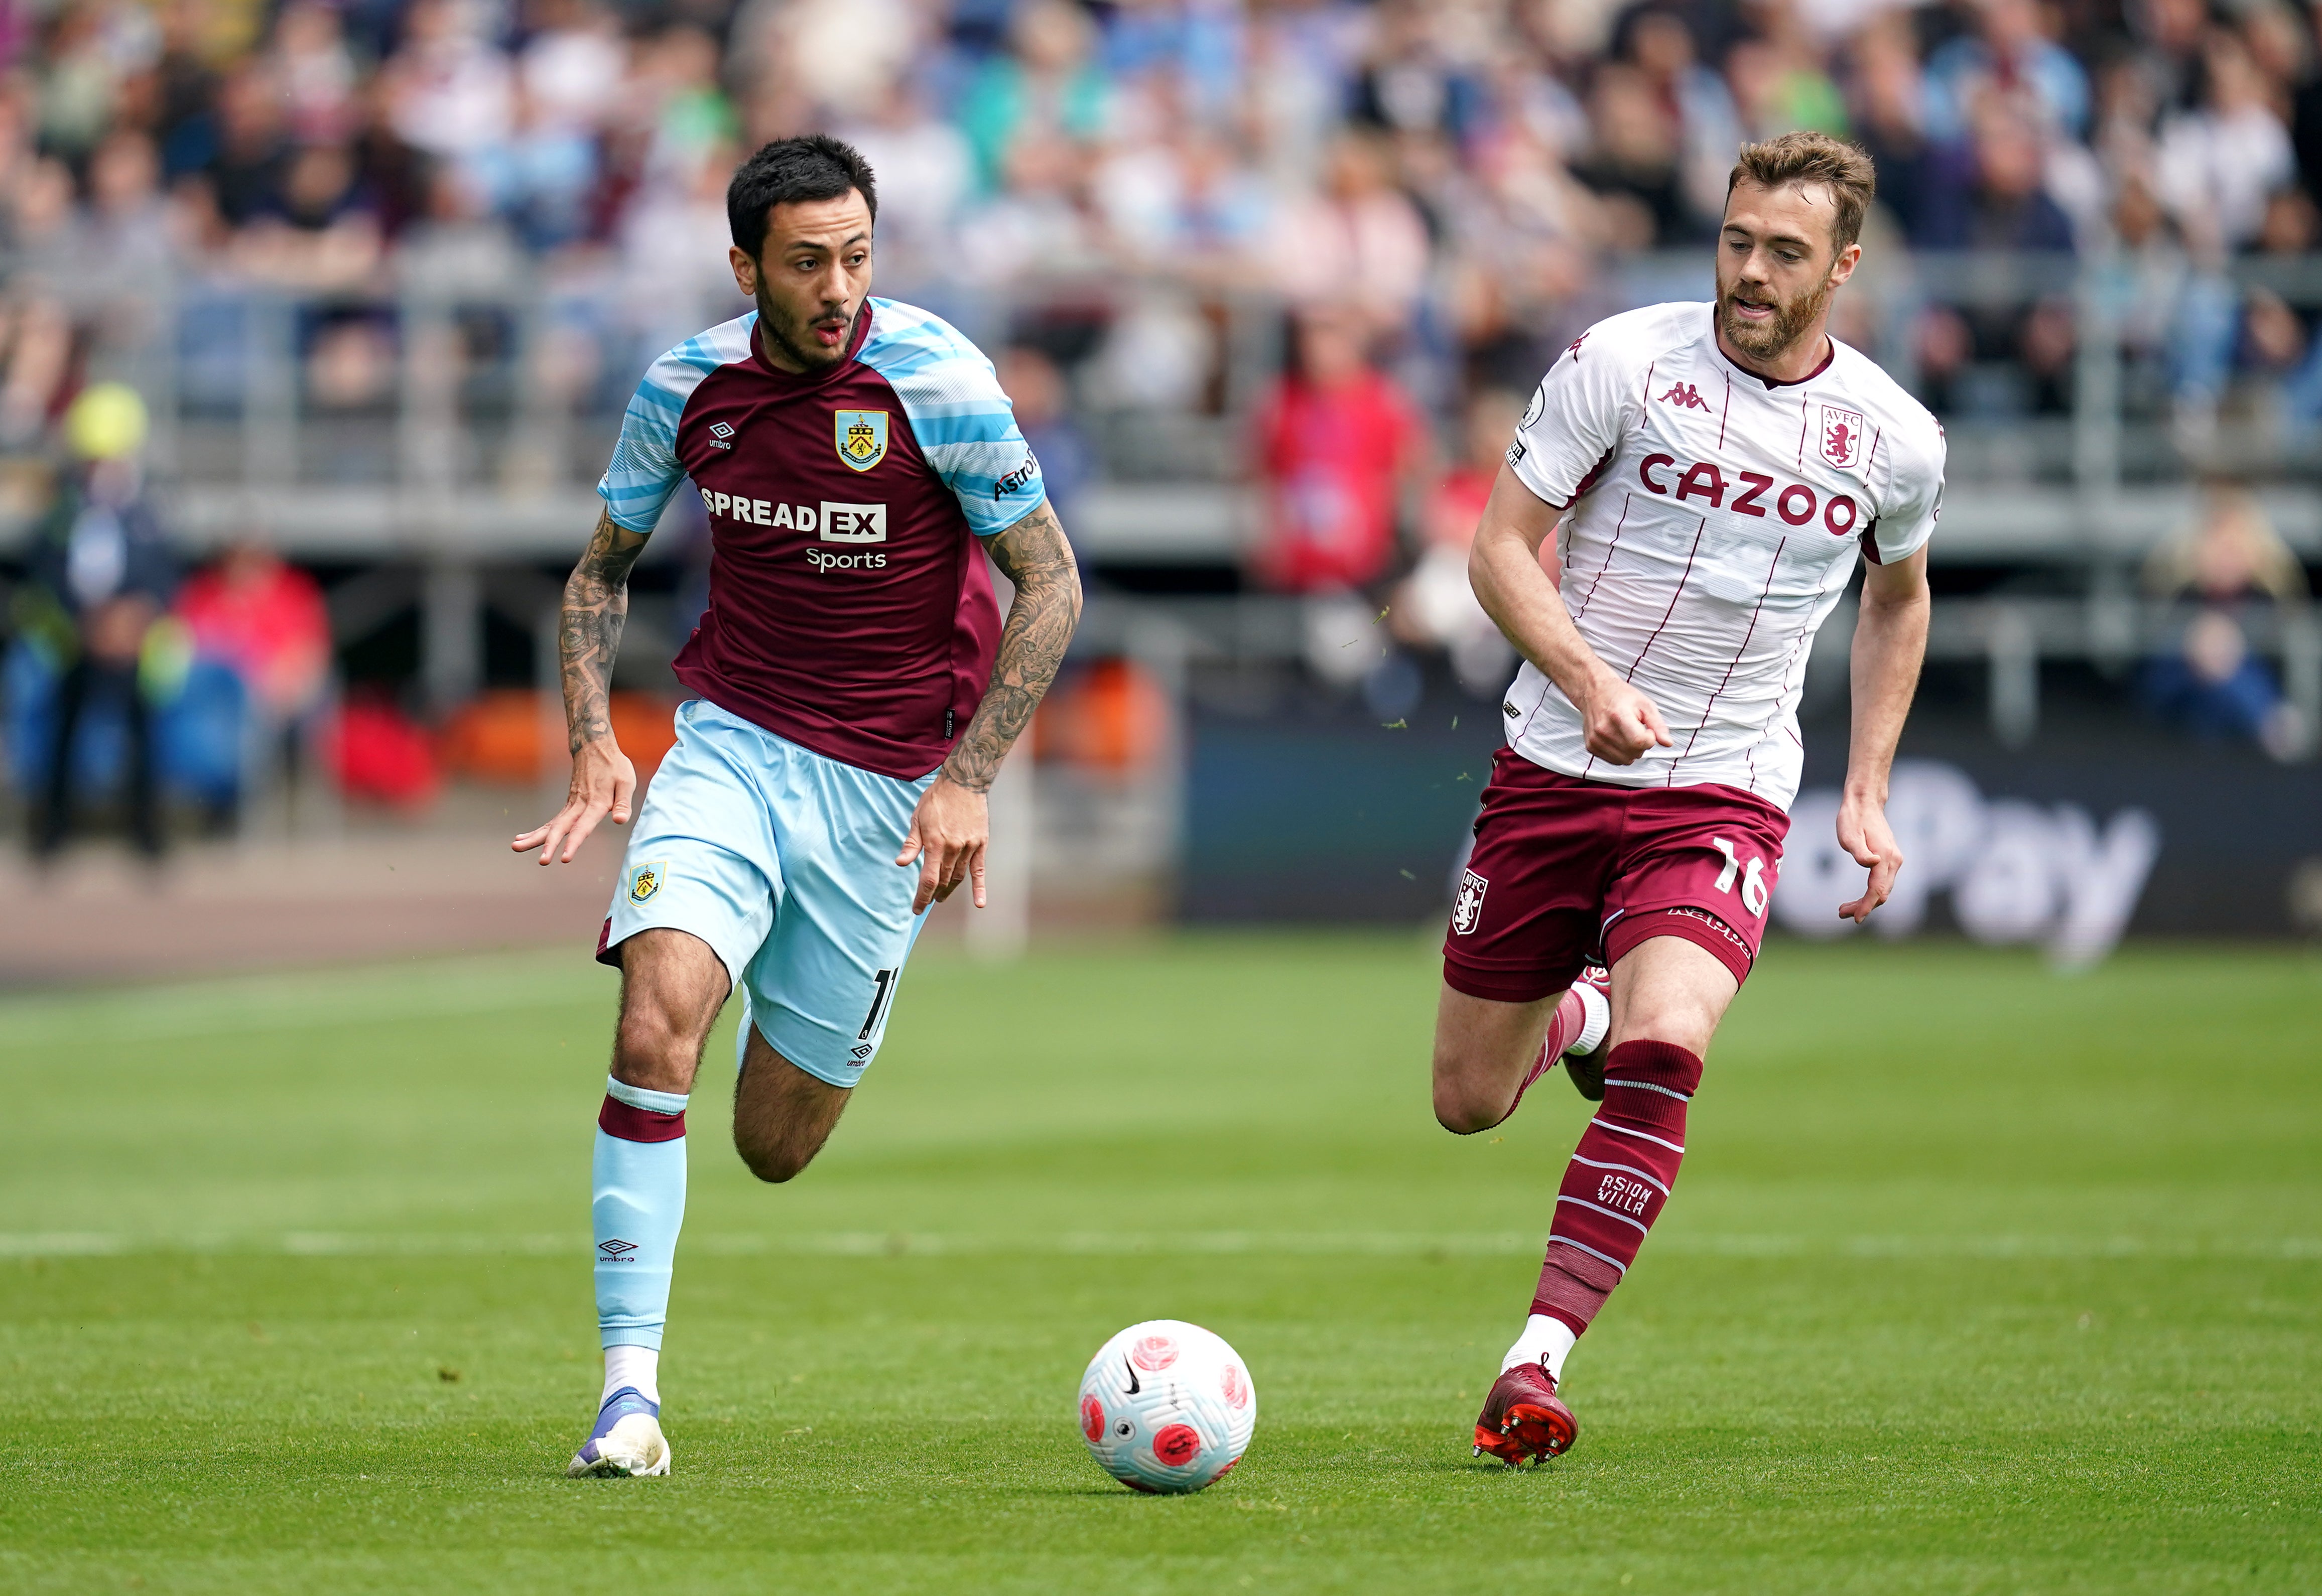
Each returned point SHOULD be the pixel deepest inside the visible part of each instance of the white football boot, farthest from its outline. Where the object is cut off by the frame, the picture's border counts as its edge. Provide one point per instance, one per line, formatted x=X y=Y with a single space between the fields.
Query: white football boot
x=627 y=1440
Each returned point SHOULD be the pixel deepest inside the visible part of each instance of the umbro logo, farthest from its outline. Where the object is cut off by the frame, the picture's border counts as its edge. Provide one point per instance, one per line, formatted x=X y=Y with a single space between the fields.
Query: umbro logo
x=617 y=1248
x=862 y=1051
x=1687 y=396
x=721 y=436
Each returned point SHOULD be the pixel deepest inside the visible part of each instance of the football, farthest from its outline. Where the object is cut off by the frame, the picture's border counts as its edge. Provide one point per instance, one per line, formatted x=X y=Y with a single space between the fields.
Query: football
x=1167 y=1407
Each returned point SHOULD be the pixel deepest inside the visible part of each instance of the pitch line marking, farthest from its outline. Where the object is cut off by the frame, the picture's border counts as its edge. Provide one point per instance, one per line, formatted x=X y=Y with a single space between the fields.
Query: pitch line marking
x=81 y=1244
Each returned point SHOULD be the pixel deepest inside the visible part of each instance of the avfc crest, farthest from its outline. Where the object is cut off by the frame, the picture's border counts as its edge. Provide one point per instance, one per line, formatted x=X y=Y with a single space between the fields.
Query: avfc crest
x=1468 y=907
x=1841 y=437
x=646 y=880
x=862 y=437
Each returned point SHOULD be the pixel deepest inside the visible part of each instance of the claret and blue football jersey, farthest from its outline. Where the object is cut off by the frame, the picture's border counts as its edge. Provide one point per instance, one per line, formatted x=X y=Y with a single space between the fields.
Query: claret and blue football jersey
x=849 y=609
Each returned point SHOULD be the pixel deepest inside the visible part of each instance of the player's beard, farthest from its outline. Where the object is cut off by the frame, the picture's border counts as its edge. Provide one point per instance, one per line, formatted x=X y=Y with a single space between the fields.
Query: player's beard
x=795 y=339
x=1792 y=320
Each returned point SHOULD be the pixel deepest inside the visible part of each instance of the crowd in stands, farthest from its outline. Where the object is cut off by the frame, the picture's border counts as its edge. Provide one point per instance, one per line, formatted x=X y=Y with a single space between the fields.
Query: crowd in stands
x=1442 y=192
x=1456 y=170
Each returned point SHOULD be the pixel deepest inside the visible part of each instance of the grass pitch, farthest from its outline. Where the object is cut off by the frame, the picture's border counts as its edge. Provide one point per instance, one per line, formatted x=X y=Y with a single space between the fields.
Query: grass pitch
x=1977 y=1279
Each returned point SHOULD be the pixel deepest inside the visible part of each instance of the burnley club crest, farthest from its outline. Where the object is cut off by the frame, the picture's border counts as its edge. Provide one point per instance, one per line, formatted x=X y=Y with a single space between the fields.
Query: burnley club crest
x=862 y=437
x=1468 y=907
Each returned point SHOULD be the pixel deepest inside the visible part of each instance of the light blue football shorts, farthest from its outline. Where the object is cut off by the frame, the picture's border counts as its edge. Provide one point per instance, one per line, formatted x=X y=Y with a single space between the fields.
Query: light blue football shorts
x=783 y=862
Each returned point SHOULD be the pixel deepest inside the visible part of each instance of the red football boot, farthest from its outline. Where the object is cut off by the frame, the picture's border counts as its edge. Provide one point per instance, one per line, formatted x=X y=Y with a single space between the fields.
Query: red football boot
x=1523 y=1416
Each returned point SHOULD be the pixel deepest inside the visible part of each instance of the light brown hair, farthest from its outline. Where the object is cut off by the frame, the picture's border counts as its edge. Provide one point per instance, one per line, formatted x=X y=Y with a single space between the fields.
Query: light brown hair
x=1811 y=158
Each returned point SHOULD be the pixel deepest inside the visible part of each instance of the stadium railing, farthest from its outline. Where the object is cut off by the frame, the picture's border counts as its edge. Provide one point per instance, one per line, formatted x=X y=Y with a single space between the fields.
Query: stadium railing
x=466 y=465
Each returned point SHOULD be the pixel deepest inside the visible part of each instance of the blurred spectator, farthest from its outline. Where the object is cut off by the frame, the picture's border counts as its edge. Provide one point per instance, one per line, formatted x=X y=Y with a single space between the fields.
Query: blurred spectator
x=2211 y=683
x=673 y=241
x=1992 y=194
x=2008 y=56
x=1358 y=243
x=1634 y=162
x=1889 y=113
x=1335 y=441
x=1709 y=126
x=1436 y=606
x=1048 y=88
x=2216 y=166
x=319 y=233
x=926 y=171
x=244 y=172
x=38 y=329
x=1044 y=414
x=450 y=90
x=316 y=73
x=266 y=621
x=571 y=67
x=101 y=576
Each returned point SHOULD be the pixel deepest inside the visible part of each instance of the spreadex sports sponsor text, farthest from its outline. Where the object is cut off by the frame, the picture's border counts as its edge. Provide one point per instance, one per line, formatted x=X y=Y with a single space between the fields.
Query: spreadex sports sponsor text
x=830 y=521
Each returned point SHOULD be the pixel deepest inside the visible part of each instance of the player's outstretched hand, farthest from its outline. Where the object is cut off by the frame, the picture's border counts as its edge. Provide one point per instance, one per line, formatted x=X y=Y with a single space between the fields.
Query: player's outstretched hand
x=949 y=833
x=1863 y=833
x=1622 y=722
x=604 y=783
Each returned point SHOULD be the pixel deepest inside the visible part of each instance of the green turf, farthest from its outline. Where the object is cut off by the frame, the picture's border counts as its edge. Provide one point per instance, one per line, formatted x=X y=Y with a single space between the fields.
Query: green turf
x=1979 y=1279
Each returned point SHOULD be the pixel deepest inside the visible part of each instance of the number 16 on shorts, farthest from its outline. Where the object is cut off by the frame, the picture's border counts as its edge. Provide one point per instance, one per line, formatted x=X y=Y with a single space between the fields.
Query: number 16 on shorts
x=1752 y=874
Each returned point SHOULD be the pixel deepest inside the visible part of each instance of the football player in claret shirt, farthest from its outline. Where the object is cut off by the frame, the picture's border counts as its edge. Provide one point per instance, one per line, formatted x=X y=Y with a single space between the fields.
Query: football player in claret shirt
x=855 y=694
x=1712 y=475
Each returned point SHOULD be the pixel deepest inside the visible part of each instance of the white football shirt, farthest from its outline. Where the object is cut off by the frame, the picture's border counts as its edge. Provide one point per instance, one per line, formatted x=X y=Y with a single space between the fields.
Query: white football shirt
x=1712 y=520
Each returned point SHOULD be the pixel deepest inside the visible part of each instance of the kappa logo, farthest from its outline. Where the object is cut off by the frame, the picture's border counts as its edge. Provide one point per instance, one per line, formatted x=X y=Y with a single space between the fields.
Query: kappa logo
x=721 y=436
x=1841 y=435
x=862 y=437
x=616 y=1249
x=1468 y=907
x=646 y=880
x=1687 y=396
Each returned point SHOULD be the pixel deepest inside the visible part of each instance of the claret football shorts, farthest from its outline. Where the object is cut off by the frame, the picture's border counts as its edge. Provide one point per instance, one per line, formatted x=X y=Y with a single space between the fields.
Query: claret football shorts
x=783 y=862
x=1567 y=872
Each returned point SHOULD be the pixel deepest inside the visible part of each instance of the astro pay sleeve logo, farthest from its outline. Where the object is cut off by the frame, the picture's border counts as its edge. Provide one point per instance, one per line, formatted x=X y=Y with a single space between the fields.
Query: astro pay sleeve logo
x=854 y=524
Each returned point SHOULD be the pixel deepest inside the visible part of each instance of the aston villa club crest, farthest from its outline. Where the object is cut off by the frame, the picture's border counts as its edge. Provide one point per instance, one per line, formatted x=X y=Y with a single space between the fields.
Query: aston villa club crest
x=1468 y=907
x=646 y=880
x=1841 y=437
x=862 y=437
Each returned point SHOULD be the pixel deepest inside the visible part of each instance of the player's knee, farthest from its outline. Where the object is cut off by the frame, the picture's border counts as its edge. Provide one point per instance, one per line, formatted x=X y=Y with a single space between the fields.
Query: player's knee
x=775 y=1160
x=776 y=1165
x=1463 y=1109
x=654 y=1049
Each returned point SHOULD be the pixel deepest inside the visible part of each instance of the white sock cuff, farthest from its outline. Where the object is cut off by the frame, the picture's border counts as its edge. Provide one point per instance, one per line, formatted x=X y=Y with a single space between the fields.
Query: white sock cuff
x=638 y=1097
x=1545 y=1338
x=1597 y=1018
x=636 y=1367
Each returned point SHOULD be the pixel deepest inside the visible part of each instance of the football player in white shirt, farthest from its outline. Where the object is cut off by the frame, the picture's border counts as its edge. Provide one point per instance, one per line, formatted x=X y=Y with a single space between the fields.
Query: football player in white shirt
x=1710 y=474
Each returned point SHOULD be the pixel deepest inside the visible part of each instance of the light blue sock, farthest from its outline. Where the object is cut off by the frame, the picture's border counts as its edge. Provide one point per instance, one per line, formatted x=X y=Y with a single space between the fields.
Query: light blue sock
x=639 y=1177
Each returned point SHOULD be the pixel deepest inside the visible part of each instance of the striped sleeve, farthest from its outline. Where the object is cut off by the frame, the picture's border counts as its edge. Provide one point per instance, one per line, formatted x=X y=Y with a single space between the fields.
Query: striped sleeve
x=965 y=425
x=644 y=469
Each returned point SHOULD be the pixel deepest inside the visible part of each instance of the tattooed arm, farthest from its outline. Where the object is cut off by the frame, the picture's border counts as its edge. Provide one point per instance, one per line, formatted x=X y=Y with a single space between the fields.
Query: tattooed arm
x=588 y=637
x=951 y=825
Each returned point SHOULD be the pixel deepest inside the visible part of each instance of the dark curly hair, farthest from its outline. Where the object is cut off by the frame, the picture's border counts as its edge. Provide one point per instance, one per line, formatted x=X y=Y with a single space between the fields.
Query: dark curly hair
x=815 y=166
